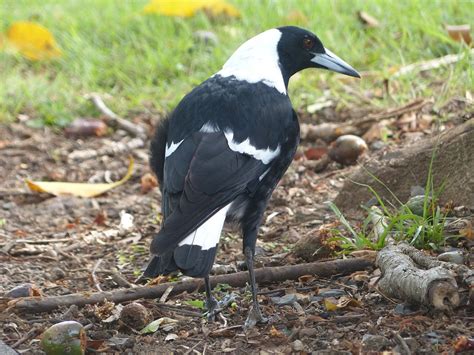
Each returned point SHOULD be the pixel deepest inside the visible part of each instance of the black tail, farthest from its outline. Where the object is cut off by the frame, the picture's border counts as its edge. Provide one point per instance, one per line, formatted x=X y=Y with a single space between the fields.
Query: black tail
x=158 y=148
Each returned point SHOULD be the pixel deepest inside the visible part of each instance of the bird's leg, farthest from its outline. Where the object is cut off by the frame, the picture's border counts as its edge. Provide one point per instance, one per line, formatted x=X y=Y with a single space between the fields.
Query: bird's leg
x=211 y=303
x=255 y=314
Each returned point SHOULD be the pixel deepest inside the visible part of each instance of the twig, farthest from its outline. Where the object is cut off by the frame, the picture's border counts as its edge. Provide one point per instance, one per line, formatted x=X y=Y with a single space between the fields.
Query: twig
x=94 y=275
x=124 y=124
x=118 y=278
x=31 y=333
x=165 y=294
x=179 y=309
x=430 y=64
x=403 y=344
x=239 y=279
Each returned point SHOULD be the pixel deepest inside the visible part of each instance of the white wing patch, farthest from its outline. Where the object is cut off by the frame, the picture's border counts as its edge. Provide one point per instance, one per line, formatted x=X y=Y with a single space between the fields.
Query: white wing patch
x=170 y=149
x=264 y=155
x=257 y=61
x=208 y=234
x=208 y=128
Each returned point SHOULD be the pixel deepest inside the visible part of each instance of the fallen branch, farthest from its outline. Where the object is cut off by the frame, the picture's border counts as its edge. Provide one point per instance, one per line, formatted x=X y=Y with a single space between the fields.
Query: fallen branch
x=330 y=131
x=403 y=279
x=124 y=124
x=113 y=148
x=239 y=279
x=430 y=64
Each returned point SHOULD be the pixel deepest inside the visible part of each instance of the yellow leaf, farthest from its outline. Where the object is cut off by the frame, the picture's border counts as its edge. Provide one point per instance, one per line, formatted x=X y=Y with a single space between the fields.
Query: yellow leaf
x=77 y=189
x=188 y=8
x=33 y=41
x=330 y=304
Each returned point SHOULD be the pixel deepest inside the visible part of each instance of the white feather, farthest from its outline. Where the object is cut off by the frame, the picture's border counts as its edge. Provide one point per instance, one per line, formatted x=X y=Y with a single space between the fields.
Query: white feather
x=265 y=155
x=170 y=149
x=207 y=235
x=257 y=61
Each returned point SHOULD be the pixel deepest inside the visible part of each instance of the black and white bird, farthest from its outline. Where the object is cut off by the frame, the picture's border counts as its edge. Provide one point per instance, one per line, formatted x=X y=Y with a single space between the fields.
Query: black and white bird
x=220 y=154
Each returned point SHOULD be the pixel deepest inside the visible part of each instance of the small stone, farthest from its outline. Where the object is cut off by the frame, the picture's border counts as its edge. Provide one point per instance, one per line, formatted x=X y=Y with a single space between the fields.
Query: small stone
x=405 y=309
x=297 y=345
x=135 y=315
x=456 y=257
x=372 y=342
x=24 y=290
x=286 y=300
x=416 y=204
x=57 y=274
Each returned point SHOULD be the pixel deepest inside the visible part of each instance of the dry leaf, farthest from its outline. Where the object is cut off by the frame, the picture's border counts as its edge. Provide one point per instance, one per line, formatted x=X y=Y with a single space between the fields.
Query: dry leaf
x=275 y=333
x=33 y=41
x=332 y=304
x=147 y=183
x=460 y=33
x=188 y=8
x=77 y=188
x=315 y=153
x=367 y=19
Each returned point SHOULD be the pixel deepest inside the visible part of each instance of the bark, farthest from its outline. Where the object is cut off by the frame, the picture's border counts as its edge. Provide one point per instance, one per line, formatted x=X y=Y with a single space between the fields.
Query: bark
x=239 y=279
x=407 y=166
x=403 y=279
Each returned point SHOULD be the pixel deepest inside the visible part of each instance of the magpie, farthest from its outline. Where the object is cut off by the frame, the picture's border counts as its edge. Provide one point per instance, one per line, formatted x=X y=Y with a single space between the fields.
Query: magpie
x=222 y=151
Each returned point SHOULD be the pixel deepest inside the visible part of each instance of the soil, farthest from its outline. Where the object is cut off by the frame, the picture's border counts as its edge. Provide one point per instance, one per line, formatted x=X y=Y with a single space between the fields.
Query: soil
x=69 y=244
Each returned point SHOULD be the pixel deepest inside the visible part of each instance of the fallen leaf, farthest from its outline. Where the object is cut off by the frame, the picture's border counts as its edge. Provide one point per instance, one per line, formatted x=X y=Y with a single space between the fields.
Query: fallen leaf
x=196 y=303
x=460 y=33
x=33 y=41
x=77 y=188
x=171 y=337
x=101 y=218
x=367 y=19
x=332 y=304
x=147 y=183
x=153 y=326
x=315 y=153
x=275 y=333
x=463 y=343
x=188 y=8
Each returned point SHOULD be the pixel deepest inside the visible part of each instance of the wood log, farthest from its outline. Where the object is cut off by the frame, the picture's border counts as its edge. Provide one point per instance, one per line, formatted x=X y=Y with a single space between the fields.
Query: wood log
x=403 y=279
x=239 y=279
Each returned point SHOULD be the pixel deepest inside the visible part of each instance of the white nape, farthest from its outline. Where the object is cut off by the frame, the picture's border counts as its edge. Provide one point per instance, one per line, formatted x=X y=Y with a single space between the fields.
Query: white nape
x=256 y=61
x=264 y=155
x=170 y=149
x=208 y=234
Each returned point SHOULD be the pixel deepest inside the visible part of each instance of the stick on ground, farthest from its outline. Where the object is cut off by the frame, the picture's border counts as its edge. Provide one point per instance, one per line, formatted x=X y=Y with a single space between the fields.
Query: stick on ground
x=239 y=279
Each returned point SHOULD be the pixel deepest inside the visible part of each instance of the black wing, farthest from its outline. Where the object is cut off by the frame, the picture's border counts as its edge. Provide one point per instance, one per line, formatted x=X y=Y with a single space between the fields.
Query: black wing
x=202 y=176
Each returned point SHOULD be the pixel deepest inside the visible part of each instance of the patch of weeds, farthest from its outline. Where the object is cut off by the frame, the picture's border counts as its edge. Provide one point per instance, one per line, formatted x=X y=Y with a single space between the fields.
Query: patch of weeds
x=3 y=222
x=222 y=287
x=419 y=222
x=196 y=303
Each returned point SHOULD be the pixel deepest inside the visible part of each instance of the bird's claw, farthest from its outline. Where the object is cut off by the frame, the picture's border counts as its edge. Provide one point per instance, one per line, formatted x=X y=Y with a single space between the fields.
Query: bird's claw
x=214 y=307
x=255 y=316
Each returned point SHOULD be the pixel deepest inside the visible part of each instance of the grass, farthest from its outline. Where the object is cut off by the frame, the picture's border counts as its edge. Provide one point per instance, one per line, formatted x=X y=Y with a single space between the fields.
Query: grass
x=419 y=222
x=147 y=62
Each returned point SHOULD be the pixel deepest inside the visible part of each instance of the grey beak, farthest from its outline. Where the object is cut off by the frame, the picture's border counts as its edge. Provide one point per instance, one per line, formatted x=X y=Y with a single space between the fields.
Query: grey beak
x=332 y=62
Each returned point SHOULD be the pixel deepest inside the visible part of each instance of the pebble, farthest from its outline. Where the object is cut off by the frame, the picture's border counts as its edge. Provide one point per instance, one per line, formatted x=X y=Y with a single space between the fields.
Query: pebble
x=455 y=257
x=288 y=299
x=297 y=345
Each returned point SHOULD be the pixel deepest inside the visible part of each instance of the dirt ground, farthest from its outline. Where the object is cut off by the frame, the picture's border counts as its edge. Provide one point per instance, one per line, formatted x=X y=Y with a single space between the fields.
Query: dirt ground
x=68 y=244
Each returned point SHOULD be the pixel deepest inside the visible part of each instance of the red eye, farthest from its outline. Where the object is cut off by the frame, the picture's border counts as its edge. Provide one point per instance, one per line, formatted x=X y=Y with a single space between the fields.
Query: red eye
x=308 y=43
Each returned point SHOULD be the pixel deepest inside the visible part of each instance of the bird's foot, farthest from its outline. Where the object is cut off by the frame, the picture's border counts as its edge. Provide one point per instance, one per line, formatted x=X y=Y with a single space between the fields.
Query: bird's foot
x=255 y=316
x=214 y=307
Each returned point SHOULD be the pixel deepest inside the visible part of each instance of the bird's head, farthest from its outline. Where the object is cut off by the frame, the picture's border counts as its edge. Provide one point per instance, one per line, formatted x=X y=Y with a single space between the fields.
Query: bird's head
x=299 y=49
x=275 y=55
